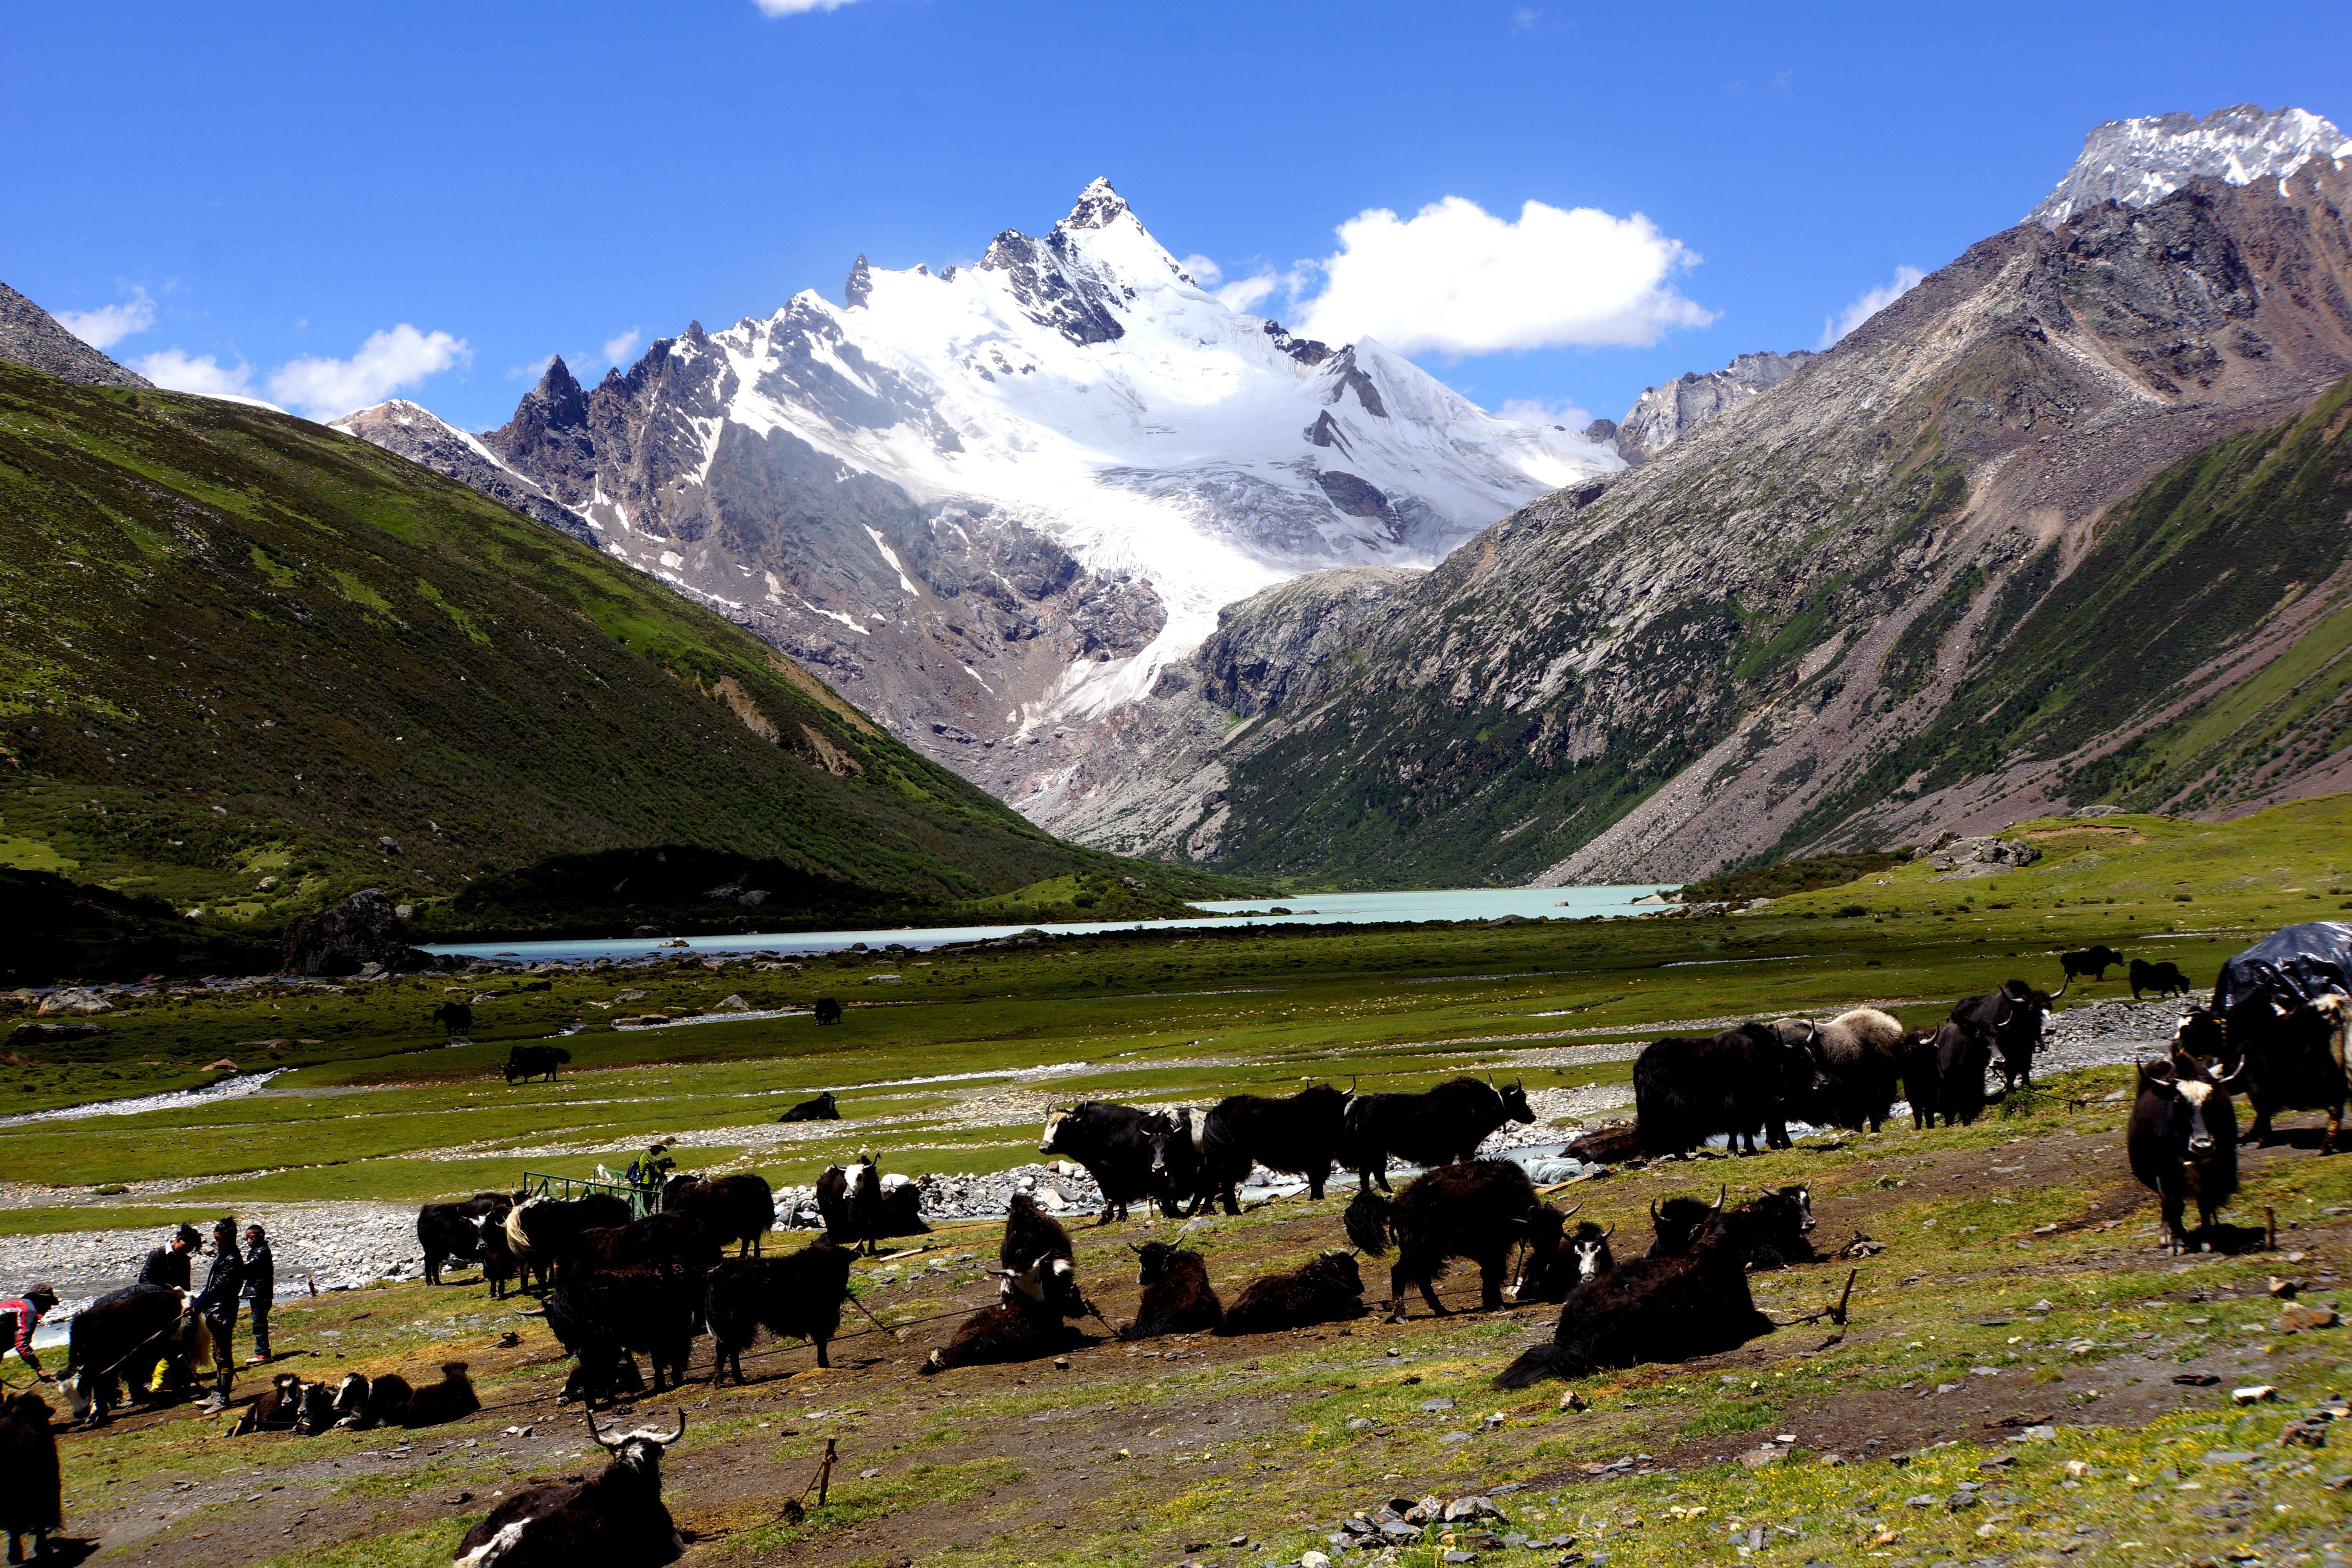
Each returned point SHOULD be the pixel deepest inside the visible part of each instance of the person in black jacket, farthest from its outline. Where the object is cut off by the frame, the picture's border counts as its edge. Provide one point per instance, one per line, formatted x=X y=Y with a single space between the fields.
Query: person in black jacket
x=260 y=1288
x=168 y=1265
x=218 y=1302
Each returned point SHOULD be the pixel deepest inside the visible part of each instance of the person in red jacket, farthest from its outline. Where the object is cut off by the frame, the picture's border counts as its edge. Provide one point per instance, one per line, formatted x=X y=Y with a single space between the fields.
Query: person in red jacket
x=20 y=1317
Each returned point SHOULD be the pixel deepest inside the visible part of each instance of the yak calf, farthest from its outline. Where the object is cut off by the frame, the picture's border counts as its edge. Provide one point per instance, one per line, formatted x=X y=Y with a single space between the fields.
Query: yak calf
x=1177 y=1298
x=1327 y=1289
x=794 y=1297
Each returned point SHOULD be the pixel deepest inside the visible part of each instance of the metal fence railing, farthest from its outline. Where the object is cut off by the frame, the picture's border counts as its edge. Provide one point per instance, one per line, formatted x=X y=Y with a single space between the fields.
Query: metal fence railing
x=642 y=1201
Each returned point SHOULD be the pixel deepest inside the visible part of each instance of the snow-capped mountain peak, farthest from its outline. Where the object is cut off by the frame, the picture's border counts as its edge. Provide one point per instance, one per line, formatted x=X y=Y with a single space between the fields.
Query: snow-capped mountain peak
x=2135 y=162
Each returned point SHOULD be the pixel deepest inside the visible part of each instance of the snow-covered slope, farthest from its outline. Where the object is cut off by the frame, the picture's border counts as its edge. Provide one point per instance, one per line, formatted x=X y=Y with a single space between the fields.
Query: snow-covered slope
x=2135 y=162
x=993 y=504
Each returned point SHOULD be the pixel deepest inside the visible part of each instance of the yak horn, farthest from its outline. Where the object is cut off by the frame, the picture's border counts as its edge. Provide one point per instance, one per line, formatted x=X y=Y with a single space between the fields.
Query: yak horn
x=1610 y=1232
x=608 y=1447
x=1654 y=1211
x=2227 y=1078
x=1719 y=1196
x=1570 y=1213
x=1135 y=1250
x=2062 y=987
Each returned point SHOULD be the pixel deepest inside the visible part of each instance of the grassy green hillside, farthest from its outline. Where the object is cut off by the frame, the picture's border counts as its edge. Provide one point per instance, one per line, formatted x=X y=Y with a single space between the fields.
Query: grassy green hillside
x=249 y=665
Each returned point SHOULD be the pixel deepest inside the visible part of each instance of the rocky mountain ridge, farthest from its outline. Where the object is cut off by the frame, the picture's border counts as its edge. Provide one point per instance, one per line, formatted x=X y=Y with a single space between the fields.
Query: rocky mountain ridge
x=2134 y=162
x=1737 y=647
x=993 y=503
x=31 y=337
x=1662 y=413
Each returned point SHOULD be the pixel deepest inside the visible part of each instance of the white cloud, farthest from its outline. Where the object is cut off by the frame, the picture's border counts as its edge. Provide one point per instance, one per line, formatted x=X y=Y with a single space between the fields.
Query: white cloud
x=328 y=388
x=1244 y=293
x=1205 y=272
x=794 y=8
x=184 y=373
x=109 y=324
x=1455 y=280
x=1835 y=327
x=1544 y=415
x=617 y=349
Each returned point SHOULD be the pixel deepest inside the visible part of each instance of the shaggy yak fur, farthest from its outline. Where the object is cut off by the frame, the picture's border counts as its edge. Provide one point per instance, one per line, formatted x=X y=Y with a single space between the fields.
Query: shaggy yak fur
x=2182 y=1141
x=1300 y=1133
x=32 y=1502
x=1652 y=1310
x=823 y=1108
x=1177 y=1298
x=362 y=1402
x=738 y=1208
x=1443 y=1126
x=1734 y=1085
x=794 y=1297
x=1478 y=1209
x=1857 y=1062
x=1326 y=1290
x=618 y=1517
x=1007 y=1331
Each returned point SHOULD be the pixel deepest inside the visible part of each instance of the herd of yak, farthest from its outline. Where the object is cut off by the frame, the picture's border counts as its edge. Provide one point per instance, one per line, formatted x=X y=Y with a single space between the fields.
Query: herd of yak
x=614 y=1287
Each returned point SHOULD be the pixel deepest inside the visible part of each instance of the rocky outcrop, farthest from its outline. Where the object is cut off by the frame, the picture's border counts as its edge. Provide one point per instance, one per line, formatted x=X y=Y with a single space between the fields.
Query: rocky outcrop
x=422 y=437
x=31 y=336
x=361 y=932
x=1662 y=413
x=1956 y=858
x=1753 y=643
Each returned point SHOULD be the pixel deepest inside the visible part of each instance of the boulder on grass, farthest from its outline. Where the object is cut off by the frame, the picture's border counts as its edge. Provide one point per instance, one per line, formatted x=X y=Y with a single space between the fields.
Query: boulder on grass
x=362 y=930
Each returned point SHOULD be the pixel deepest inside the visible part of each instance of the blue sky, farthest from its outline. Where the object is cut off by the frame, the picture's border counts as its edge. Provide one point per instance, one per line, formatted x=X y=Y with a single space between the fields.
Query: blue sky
x=342 y=201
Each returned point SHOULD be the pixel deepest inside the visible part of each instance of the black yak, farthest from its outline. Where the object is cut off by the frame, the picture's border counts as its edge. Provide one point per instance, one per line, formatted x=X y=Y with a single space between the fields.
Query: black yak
x=739 y=1208
x=1441 y=1126
x=1299 y=1135
x=454 y=1017
x=528 y=1062
x=361 y=1402
x=2093 y=961
x=862 y=1208
x=1478 y=1209
x=616 y=1518
x=1920 y=1085
x=1733 y=1085
x=120 y=1337
x=2165 y=979
x=542 y=1230
x=1325 y=1290
x=1177 y=1296
x=2182 y=1140
x=797 y=1296
x=275 y=1409
x=828 y=1011
x=1652 y=1310
x=1776 y=1225
x=604 y=1317
x=1115 y=1145
x=32 y=1499
x=1962 y=1057
x=437 y=1404
x=823 y=1108
x=1036 y=1265
x=1557 y=1257
x=1004 y=1332
x=2012 y=1019
x=447 y=1234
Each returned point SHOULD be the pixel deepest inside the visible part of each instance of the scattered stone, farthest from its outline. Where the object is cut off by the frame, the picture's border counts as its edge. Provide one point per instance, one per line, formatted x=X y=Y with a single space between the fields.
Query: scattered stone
x=1433 y=1405
x=2307 y=1433
x=1572 y=1400
x=2295 y=1319
x=2195 y=1379
x=73 y=1000
x=1756 y=1458
x=361 y=929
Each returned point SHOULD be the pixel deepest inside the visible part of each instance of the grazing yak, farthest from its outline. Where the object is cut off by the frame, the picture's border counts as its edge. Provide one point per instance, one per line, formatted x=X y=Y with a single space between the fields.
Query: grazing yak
x=1299 y=1135
x=1558 y=1258
x=1441 y=1126
x=828 y=1011
x=528 y=1062
x=120 y=1337
x=823 y=1108
x=798 y=1296
x=2283 y=1008
x=2094 y=962
x=2165 y=979
x=1116 y=1145
x=1478 y=1209
x=862 y=1208
x=739 y=1208
x=1326 y=1290
x=448 y=1233
x=2012 y=1019
x=1734 y=1084
x=1857 y=1060
x=617 y=1517
x=2182 y=1140
x=1652 y=1310
x=32 y=1501
x=454 y=1017
x=1177 y=1296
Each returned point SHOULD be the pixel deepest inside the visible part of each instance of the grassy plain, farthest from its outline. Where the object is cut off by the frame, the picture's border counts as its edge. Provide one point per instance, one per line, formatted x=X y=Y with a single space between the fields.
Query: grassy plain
x=1137 y=1458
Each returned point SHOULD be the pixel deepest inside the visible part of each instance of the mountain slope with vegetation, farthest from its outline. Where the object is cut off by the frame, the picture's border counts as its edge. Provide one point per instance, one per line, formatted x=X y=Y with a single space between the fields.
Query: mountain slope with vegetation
x=2061 y=494
x=248 y=664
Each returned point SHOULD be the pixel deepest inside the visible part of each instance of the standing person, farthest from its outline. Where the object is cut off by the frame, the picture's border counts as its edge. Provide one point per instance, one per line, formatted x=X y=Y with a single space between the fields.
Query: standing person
x=259 y=1290
x=18 y=1321
x=168 y=1265
x=218 y=1304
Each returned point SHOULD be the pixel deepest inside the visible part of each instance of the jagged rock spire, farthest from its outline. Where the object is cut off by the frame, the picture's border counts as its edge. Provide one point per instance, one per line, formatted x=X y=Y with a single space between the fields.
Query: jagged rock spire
x=860 y=287
x=1098 y=207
